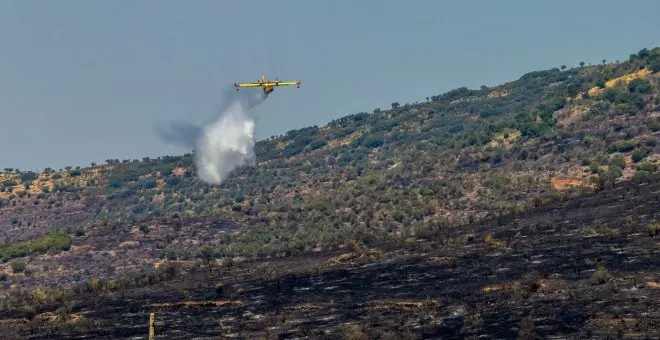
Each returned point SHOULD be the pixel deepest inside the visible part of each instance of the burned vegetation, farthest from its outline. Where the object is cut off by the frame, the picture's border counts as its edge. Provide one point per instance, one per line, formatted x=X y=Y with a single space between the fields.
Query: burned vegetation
x=584 y=267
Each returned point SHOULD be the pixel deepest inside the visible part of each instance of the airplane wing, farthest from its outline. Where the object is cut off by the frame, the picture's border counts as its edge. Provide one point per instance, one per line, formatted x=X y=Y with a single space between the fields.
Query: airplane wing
x=286 y=83
x=247 y=84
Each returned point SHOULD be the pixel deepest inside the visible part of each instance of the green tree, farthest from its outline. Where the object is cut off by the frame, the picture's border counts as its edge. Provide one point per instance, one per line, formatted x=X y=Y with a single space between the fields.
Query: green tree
x=619 y=162
x=638 y=155
x=654 y=63
x=640 y=85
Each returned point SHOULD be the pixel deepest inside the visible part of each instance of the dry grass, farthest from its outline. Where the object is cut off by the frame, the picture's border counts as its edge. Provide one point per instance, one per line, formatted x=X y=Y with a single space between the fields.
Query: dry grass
x=505 y=140
x=346 y=140
x=403 y=305
x=197 y=304
x=625 y=79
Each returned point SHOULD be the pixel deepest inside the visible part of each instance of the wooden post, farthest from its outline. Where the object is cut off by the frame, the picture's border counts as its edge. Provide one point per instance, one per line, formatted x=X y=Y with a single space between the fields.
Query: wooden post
x=151 y=326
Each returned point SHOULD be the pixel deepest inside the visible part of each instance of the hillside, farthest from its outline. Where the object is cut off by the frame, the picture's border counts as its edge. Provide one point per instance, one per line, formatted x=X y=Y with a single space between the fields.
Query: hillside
x=370 y=181
x=583 y=268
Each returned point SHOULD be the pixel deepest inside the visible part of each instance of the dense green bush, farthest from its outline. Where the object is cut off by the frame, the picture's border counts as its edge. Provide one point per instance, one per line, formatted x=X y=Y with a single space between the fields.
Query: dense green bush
x=53 y=241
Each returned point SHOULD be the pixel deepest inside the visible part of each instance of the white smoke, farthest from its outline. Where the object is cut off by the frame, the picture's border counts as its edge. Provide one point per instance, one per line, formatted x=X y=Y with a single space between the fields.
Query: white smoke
x=221 y=145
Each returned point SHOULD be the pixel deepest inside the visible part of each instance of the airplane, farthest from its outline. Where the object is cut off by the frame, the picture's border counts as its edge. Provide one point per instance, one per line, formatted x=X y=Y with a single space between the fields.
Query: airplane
x=267 y=85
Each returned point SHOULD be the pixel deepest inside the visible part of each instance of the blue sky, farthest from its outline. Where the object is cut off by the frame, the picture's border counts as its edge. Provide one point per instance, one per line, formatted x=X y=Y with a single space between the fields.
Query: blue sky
x=83 y=81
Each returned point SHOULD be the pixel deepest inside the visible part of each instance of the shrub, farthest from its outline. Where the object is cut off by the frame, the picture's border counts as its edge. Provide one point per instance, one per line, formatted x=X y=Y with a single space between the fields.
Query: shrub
x=638 y=155
x=654 y=228
x=600 y=276
x=18 y=266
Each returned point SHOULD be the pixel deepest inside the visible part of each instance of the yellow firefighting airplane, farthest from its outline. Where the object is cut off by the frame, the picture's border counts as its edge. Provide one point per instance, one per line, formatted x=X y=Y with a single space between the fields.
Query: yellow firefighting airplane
x=267 y=84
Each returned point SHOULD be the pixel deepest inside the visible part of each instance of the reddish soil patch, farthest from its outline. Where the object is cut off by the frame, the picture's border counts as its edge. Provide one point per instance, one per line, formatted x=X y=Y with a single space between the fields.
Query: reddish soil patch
x=563 y=183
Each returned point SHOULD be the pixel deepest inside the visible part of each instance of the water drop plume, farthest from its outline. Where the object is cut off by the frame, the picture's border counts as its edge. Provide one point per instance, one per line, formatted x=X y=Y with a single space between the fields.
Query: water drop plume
x=223 y=144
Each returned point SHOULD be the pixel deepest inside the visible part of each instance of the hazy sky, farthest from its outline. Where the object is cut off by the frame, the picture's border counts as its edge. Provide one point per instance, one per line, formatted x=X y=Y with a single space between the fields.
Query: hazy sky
x=84 y=81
